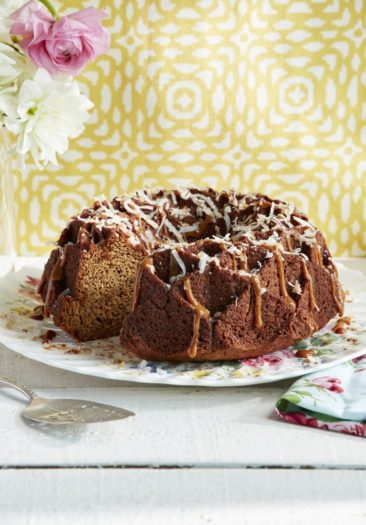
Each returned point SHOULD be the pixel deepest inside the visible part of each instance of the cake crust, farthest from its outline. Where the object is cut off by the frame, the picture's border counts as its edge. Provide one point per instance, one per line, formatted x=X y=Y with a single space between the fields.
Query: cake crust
x=222 y=313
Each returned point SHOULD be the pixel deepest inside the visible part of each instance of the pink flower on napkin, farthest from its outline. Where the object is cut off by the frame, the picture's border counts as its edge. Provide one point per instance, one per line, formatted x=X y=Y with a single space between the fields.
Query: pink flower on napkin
x=345 y=427
x=298 y=418
x=333 y=384
x=64 y=45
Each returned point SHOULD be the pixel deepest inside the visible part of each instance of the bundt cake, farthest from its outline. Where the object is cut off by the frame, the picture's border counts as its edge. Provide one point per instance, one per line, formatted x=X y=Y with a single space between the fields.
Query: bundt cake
x=192 y=274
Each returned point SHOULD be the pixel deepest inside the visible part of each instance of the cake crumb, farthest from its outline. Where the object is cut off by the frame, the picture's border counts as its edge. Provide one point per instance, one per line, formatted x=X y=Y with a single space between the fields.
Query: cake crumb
x=48 y=336
x=296 y=287
x=305 y=353
x=37 y=314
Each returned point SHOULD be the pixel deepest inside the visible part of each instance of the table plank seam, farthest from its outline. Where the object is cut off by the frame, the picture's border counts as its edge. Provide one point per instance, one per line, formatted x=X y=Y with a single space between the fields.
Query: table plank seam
x=203 y=466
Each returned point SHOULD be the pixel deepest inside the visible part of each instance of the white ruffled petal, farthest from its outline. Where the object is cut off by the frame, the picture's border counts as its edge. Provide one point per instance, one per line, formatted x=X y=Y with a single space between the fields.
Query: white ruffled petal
x=46 y=113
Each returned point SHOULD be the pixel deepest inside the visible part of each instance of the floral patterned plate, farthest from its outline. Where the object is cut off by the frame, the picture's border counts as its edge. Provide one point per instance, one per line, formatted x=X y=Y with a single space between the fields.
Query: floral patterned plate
x=42 y=341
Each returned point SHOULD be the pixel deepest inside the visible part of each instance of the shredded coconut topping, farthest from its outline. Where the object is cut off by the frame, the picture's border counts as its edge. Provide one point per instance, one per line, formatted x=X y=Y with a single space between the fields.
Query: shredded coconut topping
x=205 y=259
x=159 y=218
x=296 y=287
x=181 y=264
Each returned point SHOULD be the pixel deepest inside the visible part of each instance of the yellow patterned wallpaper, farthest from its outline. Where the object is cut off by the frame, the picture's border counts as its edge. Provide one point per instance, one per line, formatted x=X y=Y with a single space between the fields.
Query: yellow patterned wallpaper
x=261 y=95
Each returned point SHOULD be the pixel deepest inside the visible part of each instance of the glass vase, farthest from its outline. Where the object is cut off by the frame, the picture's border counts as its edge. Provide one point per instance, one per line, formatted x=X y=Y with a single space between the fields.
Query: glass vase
x=7 y=197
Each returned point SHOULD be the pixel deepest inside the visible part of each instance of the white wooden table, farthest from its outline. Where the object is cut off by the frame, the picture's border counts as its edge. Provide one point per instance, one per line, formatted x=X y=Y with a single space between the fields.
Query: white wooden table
x=190 y=455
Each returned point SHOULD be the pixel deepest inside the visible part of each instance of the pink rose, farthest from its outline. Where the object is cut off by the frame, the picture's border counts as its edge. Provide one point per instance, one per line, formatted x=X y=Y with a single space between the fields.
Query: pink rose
x=64 y=45
x=328 y=383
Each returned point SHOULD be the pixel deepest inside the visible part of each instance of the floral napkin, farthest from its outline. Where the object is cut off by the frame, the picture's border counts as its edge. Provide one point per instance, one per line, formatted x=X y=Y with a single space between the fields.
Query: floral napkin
x=333 y=399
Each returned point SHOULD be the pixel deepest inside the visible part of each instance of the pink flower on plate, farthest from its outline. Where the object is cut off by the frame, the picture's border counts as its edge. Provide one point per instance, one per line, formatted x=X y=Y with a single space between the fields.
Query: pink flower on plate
x=359 y=359
x=64 y=45
x=333 y=384
x=278 y=358
x=274 y=359
x=359 y=362
x=32 y=281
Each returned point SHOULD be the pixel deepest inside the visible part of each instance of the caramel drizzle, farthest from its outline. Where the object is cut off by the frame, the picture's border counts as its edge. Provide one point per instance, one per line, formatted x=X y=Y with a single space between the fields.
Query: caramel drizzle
x=145 y=263
x=320 y=256
x=336 y=289
x=254 y=279
x=309 y=279
x=199 y=311
x=312 y=301
x=201 y=229
x=281 y=273
x=281 y=278
x=243 y=262
x=337 y=292
x=289 y=244
x=316 y=249
x=148 y=242
x=255 y=282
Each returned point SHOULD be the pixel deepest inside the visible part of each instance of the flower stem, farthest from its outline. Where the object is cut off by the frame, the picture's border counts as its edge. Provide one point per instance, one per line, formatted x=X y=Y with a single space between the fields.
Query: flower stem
x=10 y=45
x=50 y=8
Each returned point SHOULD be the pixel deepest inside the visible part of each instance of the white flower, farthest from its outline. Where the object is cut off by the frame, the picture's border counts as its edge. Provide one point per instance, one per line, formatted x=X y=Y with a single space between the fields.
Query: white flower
x=45 y=114
x=12 y=64
x=7 y=7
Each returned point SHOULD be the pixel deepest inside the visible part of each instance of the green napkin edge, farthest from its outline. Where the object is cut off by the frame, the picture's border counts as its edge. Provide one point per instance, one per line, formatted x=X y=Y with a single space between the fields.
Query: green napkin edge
x=287 y=407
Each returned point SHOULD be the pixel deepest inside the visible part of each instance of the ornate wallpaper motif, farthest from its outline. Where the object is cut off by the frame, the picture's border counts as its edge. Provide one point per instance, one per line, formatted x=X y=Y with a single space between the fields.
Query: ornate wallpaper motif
x=265 y=95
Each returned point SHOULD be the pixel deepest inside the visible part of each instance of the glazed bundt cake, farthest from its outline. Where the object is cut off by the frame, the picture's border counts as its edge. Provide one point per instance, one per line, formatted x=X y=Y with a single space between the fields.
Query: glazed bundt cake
x=192 y=274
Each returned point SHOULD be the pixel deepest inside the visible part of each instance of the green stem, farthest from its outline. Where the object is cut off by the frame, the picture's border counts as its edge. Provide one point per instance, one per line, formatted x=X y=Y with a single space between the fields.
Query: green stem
x=50 y=8
x=11 y=45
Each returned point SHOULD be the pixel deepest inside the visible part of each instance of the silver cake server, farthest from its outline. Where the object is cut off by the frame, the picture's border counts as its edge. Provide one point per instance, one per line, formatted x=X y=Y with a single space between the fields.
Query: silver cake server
x=65 y=411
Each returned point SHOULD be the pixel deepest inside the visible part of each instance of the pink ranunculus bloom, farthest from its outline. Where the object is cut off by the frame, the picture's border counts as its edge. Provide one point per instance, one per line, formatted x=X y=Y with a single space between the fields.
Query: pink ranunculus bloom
x=31 y=21
x=64 y=45
x=333 y=384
